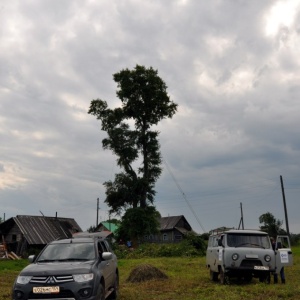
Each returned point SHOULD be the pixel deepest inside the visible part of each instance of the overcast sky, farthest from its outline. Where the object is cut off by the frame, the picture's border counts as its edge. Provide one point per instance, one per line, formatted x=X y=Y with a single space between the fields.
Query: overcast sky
x=231 y=66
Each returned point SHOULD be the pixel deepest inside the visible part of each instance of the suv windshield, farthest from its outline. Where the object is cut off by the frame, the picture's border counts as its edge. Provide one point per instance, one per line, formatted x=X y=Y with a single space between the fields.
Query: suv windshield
x=248 y=240
x=70 y=251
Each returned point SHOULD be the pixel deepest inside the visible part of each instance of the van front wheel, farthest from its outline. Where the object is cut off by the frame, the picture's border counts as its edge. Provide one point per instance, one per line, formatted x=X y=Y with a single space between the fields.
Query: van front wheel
x=224 y=278
x=213 y=275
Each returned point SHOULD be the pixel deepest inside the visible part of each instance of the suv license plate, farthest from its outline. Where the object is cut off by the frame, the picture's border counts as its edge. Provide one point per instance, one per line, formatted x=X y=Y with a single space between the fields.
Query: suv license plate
x=261 y=268
x=46 y=290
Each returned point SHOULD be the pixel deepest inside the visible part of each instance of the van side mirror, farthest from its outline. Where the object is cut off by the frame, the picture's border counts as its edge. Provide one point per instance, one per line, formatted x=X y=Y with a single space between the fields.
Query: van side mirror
x=220 y=243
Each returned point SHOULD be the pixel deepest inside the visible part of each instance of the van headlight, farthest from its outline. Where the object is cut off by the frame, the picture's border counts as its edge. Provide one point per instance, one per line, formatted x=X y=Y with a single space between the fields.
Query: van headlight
x=235 y=256
x=83 y=277
x=267 y=258
x=23 y=279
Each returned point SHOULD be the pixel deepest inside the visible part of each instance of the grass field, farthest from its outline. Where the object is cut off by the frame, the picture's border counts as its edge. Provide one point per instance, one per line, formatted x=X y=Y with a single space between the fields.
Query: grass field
x=188 y=280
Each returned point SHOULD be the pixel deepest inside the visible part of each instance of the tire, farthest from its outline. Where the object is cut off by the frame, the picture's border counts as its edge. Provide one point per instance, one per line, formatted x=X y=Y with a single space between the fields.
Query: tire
x=213 y=275
x=224 y=278
x=100 y=292
x=115 y=294
x=266 y=278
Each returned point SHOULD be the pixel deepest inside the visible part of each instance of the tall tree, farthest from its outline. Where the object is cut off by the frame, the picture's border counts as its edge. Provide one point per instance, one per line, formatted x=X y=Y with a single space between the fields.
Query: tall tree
x=144 y=102
x=270 y=224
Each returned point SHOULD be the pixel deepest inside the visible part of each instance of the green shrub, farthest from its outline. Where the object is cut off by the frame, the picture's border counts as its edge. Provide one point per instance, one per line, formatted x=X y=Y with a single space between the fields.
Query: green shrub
x=189 y=247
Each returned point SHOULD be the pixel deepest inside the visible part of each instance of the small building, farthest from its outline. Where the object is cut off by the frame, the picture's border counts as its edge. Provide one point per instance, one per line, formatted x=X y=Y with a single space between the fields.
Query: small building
x=107 y=226
x=172 y=230
x=21 y=232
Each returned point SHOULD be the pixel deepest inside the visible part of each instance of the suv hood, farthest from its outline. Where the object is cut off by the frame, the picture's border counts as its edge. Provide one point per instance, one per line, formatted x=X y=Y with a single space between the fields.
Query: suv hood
x=58 y=268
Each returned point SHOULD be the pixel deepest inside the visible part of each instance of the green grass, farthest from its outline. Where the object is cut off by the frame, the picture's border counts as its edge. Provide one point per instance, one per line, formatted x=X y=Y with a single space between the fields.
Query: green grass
x=188 y=280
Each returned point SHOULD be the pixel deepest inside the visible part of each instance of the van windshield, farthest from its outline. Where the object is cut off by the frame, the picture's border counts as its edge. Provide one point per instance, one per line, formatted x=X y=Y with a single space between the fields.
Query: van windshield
x=248 y=240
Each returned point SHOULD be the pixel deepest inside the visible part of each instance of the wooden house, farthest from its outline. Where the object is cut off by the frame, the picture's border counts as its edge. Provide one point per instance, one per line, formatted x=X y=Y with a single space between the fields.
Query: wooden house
x=21 y=232
x=171 y=230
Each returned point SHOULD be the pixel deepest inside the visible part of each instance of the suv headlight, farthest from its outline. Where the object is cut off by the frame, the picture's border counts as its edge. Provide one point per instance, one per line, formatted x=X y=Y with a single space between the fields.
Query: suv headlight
x=83 y=277
x=235 y=256
x=267 y=258
x=23 y=279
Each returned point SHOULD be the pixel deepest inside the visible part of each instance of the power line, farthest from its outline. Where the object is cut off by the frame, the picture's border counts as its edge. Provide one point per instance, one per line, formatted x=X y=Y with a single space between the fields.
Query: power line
x=183 y=195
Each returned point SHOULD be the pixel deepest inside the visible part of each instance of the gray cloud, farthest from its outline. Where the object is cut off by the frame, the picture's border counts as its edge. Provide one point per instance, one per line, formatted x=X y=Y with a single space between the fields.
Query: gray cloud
x=232 y=66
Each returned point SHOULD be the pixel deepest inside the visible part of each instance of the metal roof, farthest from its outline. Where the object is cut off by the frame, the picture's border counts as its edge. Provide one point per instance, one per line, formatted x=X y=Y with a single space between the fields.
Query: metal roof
x=42 y=230
x=109 y=226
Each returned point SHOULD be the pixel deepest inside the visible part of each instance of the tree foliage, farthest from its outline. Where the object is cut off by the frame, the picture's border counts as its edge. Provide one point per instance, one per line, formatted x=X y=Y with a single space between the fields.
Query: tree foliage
x=144 y=102
x=271 y=225
x=137 y=222
x=92 y=228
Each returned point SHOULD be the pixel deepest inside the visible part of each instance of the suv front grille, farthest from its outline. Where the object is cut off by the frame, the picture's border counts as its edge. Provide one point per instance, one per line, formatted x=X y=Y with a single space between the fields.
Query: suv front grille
x=52 y=279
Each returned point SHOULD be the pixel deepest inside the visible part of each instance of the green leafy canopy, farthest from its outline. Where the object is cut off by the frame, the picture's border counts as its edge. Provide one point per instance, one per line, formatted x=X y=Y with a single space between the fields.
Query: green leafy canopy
x=144 y=102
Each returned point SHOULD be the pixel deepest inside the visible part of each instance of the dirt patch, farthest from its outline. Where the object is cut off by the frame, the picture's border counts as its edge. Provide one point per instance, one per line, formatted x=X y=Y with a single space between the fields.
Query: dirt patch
x=146 y=272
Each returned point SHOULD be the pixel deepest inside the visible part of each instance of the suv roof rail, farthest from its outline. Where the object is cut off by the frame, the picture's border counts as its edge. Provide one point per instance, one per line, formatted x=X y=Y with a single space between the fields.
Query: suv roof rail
x=95 y=235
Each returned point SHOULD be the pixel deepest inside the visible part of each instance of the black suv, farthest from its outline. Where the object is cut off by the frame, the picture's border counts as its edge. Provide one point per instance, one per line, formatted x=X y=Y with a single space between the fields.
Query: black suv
x=70 y=269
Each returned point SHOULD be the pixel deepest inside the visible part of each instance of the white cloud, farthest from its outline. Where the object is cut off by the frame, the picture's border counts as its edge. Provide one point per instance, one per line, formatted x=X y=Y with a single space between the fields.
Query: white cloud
x=11 y=176
x=281 y=14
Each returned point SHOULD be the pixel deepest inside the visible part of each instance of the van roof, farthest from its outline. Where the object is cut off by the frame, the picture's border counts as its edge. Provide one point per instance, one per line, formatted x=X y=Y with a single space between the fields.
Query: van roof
x=242 y=231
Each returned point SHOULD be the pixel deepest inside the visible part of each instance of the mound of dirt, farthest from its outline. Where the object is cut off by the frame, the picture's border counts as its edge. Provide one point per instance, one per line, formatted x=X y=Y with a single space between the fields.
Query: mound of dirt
x=146 y=272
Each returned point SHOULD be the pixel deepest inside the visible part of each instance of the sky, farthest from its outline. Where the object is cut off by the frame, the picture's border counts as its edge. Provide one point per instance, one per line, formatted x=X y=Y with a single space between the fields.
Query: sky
x=232 y=66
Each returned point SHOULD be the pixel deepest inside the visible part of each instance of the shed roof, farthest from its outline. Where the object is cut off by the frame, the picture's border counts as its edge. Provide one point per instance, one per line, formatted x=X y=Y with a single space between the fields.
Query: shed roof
x=42 y=230
x=109 y=226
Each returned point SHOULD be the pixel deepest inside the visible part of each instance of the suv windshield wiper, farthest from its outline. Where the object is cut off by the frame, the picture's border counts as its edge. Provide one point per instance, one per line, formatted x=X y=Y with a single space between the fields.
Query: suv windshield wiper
x=46 y=260
x=73 y=259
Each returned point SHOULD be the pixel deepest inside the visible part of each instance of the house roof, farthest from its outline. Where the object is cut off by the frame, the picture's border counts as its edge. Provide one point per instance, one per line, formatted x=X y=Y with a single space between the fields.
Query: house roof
x=169 y=223
x=40 y=229
x=109 y=226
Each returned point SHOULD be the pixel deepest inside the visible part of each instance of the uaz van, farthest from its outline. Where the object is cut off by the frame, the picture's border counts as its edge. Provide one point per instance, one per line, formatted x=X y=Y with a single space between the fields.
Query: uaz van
x=243 y=254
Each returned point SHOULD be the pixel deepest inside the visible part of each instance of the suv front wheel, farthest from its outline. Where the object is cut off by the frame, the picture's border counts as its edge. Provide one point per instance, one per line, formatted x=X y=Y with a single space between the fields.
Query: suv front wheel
x=101 y=292
x=115 y=293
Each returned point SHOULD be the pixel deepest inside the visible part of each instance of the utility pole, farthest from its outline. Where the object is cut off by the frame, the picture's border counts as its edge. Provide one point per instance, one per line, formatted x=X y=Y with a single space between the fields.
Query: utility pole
x=97 y=212
x=285 y=210
x=242 y=217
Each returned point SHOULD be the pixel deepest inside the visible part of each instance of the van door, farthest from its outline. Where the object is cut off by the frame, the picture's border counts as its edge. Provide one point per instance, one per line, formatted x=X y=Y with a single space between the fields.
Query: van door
x=284 y=255
x=214 y=254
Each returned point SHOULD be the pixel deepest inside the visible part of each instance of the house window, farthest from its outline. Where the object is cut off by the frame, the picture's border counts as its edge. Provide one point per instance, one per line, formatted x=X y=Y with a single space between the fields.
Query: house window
x=178 y=237
x=165 y=237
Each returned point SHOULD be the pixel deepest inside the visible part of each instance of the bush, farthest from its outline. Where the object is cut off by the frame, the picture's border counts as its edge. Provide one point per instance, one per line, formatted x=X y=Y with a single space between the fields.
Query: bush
x=189 y=247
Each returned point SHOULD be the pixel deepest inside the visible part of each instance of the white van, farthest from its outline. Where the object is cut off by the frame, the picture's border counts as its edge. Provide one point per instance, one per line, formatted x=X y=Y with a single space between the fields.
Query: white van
x=242 y=254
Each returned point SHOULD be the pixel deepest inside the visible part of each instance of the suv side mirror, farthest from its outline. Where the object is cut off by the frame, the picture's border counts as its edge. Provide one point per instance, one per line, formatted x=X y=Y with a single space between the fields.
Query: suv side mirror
x=31 y=258
x=106 y=255
x=220 y=243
